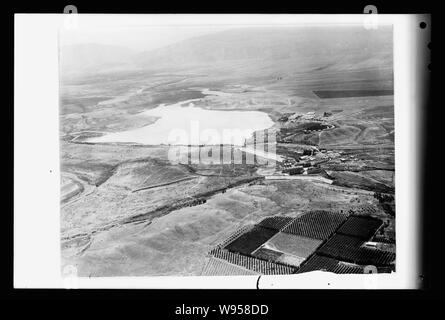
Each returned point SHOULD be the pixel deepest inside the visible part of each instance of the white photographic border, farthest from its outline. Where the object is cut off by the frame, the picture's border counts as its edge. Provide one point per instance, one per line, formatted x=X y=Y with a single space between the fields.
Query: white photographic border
x=36 y=154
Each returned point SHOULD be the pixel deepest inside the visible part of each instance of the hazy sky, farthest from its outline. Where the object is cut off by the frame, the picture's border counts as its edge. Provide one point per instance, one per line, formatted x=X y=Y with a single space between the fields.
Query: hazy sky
x=136 y=38
x=147 y=32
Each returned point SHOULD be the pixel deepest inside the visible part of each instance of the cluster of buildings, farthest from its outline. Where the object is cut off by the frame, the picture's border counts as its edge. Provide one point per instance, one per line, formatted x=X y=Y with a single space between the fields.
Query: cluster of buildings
x=307 y=161
x=303 y=161
x=292 y=117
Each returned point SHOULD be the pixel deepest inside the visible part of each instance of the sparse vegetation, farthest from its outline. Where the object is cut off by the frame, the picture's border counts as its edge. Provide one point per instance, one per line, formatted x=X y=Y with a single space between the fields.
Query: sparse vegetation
x=386 y=202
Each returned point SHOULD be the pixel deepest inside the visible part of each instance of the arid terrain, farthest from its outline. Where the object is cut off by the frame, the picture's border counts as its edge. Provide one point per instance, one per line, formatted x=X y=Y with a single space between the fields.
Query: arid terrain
x=127 y=210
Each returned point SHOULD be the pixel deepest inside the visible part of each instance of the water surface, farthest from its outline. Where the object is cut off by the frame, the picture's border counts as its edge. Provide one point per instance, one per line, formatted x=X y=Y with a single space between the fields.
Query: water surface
x=183 y=123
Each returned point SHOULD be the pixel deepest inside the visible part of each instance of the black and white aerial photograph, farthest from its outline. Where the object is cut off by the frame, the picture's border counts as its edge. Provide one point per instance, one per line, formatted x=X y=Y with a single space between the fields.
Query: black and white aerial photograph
x=227 y=150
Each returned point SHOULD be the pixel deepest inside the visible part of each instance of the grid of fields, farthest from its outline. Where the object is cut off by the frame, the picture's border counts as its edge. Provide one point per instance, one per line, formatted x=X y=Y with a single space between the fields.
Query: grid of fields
x=317 y=240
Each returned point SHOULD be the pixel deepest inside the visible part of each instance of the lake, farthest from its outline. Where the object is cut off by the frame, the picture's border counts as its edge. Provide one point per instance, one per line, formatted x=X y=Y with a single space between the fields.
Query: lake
x=183 y=123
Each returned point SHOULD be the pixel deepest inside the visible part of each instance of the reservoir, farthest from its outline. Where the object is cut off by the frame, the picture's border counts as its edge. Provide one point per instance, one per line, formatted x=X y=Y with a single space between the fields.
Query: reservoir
x=183 y=123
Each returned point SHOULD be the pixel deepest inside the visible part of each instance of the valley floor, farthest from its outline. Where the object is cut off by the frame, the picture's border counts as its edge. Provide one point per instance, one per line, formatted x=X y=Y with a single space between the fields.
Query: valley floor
x=126 y=210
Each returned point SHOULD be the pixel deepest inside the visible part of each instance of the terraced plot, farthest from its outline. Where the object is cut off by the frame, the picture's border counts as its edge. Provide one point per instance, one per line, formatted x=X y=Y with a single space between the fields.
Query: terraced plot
x=361 y=227
x=316 y=224
x=217 y=267
x=350 y=249
x=276 y=223
x=251 y=240
x=234 y=236
x=251 y=263
x=318 y=262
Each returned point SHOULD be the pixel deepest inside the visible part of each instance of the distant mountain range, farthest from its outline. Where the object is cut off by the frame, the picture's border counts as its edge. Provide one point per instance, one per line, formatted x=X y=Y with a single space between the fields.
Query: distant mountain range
x=298 y=48
x=85 y=58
